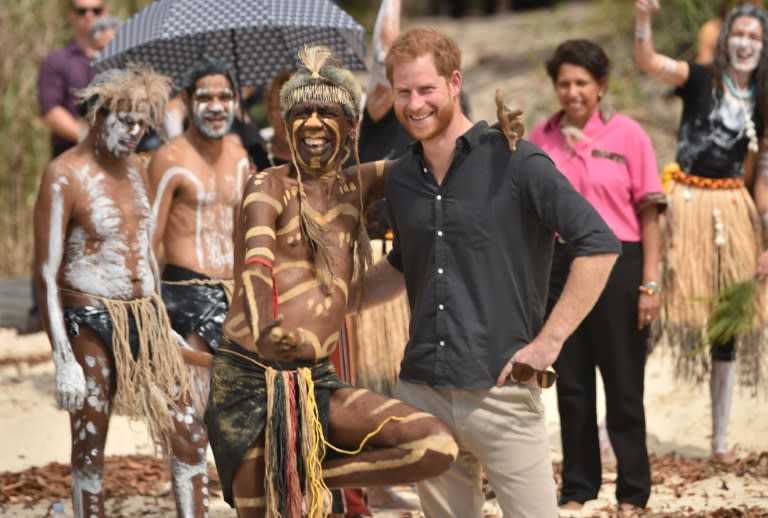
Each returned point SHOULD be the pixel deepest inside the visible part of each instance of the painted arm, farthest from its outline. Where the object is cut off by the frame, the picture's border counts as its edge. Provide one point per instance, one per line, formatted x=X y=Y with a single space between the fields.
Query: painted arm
x=260 y=210
x=585 y=282
x=379 y=97
x=651 y=239
x=382 y=283
x=162 y=183
x=62 y=123
x=656 y=65
x=51 y=216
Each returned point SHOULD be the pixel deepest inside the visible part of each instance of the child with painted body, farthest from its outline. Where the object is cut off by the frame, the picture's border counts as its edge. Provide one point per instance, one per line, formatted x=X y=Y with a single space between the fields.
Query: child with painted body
x=96 y=277
x=294 y=251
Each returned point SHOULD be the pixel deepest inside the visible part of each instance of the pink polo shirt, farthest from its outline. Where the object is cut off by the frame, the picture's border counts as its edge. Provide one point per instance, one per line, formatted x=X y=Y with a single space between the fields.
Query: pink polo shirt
x=614 y=167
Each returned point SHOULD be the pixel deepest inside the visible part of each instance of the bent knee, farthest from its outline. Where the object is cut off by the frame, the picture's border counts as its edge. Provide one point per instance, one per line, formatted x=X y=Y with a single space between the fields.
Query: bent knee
x=440 y=451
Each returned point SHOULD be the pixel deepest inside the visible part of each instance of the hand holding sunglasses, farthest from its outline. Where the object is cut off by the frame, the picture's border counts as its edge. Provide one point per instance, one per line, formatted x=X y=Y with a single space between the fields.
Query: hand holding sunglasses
x=522 y=372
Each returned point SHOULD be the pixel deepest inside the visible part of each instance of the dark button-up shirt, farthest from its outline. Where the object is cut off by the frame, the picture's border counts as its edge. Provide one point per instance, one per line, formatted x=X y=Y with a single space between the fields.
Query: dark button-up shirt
x=476 y=253
x=62 y=73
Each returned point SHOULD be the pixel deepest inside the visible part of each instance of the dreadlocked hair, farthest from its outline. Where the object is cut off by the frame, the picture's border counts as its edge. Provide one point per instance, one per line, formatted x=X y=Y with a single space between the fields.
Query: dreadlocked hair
x=320 y=78
x=144 y=90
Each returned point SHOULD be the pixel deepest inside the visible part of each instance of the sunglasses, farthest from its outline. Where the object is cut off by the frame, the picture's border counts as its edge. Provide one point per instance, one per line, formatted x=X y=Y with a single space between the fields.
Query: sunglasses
x=523 y=371
x=81 y=11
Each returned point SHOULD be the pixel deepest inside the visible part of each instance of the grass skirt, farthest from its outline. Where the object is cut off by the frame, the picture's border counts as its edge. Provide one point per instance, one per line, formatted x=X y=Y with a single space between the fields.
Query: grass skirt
x=377 y=337
x=710 y=240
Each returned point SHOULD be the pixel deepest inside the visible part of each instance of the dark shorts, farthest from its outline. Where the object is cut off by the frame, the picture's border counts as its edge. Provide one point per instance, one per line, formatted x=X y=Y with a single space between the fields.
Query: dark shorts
x=194 y=308
x=99 y=321
x=237 y=405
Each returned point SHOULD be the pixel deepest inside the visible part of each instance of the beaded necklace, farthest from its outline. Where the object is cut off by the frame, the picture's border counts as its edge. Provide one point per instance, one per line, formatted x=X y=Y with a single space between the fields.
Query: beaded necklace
x=737 y=93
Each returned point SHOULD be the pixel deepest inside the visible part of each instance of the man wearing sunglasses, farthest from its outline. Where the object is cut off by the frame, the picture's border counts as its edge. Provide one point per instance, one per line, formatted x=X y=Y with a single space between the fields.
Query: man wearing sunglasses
x=66 y=70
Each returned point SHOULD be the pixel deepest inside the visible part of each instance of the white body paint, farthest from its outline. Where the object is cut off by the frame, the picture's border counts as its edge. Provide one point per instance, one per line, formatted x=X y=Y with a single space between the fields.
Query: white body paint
x=81 y=482
x=104 y=272
x=739 y=46
x=70 y=380
x=201 y=111
x=214 y=225
x=183 y=474
x=122 y=132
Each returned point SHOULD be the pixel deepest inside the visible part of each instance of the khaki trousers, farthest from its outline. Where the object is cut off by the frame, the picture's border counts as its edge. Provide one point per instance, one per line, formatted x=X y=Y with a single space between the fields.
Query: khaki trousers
x=501 y=430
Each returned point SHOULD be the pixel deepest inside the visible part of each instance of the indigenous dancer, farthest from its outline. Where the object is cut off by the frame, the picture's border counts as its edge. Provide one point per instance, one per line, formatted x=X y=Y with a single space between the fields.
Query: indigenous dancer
x=276 y=406
x=96 y=278
x=196 y=182
x=711 y=235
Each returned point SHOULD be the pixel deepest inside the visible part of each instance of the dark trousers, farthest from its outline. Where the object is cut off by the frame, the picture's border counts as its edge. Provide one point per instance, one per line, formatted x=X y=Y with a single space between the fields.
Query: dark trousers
x=607 y=339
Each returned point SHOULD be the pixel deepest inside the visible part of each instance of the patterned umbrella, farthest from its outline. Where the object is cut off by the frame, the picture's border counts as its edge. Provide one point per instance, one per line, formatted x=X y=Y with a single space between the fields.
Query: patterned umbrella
x=259 y=38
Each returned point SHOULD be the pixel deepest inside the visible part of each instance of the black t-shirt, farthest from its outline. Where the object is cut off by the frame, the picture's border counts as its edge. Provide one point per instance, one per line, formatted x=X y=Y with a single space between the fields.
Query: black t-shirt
x=712 y=140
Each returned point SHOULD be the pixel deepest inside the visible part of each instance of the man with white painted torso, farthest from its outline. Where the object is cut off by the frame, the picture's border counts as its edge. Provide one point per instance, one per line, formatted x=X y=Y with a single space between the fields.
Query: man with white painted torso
x=196 y=182
x=96 y=279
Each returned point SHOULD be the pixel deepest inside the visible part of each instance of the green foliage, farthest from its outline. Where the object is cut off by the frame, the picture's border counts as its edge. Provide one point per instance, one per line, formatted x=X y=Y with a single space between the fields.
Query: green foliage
x=675 y=25
x=733 y=315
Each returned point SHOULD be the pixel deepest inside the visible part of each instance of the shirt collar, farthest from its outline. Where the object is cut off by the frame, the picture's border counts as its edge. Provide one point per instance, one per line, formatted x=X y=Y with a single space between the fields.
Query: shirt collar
x=73 y=48
x=596 y=122
x=467 y=141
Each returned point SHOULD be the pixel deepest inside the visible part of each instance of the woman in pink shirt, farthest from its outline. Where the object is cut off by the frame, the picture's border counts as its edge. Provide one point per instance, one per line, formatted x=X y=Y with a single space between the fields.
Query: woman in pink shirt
x=609 y=159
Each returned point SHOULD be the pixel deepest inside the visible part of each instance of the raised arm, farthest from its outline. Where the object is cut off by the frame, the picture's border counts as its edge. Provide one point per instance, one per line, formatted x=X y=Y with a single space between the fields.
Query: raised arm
x=51 y=216
x=656 y=65
x=379 y=99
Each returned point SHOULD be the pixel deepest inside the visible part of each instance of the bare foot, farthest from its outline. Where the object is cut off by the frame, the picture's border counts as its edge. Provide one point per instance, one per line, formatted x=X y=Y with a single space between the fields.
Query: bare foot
x=572 y=505
x=724 y=457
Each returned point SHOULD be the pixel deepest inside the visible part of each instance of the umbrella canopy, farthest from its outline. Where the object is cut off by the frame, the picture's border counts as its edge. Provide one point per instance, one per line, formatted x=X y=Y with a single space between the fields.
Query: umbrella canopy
x=258 y=38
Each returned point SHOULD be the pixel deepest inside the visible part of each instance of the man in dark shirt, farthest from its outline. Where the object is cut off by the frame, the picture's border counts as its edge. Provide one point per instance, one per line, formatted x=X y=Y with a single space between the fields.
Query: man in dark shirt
x=474 y=227
x=65 y=71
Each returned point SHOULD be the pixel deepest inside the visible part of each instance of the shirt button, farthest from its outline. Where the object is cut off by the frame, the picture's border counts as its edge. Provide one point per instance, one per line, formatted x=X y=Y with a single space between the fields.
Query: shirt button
x=440 y=271
x=440 y=307
x=438 y=197
x=442 y=343
x=439 y=233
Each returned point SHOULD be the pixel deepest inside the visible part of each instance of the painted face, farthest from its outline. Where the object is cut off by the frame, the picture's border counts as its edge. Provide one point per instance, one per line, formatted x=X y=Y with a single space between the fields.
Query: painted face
x=745 y=43
x=318 y=132
x=578 y=92
x=425 y=101
x=213 y=106
x=122 y=130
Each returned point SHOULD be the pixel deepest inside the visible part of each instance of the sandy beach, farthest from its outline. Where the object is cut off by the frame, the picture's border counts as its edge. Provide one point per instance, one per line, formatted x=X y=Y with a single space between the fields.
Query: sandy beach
x=35 y=433
x=503 y=51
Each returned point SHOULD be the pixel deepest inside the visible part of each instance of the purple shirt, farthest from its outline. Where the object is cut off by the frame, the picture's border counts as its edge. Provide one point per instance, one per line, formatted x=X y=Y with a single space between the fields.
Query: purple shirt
x=63 y=72
x=614 y=168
